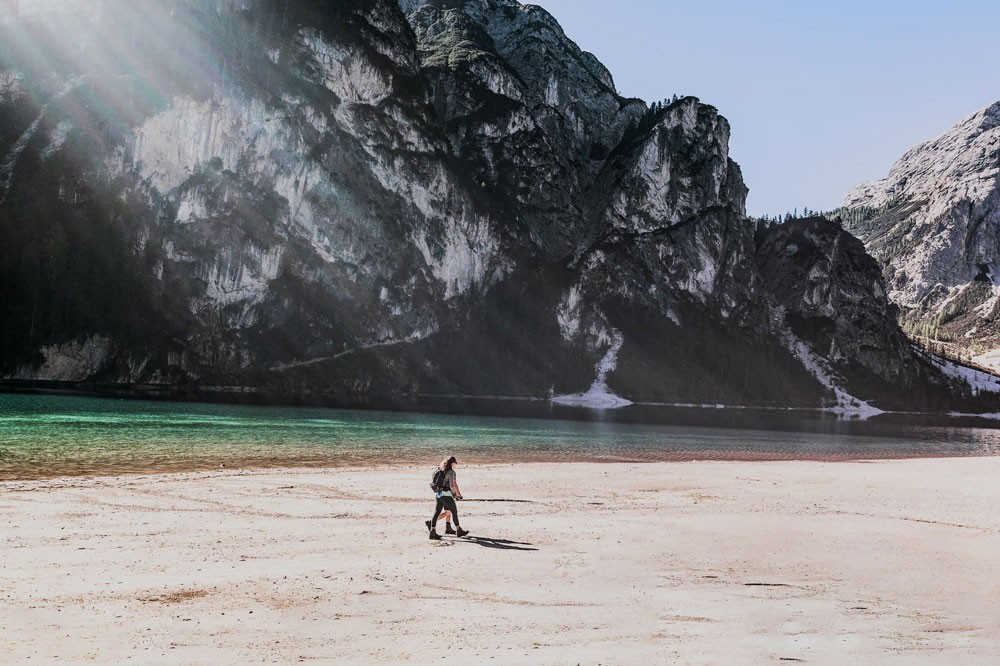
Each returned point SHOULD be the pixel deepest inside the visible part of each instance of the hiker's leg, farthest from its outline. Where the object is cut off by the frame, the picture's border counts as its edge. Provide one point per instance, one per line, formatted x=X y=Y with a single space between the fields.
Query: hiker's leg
x=437 y=511
x=445 y=516
x=449 y=503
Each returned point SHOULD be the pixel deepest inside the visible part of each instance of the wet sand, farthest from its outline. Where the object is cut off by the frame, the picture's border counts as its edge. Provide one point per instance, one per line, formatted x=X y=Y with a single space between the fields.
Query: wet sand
x=691 y=563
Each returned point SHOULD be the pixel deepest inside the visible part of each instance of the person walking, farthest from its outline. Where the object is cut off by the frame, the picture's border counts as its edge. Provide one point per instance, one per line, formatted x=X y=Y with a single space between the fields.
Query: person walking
x=446 y=491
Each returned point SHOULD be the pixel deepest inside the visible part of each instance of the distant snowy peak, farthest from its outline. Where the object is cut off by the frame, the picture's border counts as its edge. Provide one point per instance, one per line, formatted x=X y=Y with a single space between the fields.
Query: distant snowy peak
x=934 y=226
x=964 y=162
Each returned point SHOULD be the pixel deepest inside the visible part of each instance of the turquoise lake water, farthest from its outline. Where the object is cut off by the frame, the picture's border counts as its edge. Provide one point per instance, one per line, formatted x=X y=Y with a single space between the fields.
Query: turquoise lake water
x=50 y=436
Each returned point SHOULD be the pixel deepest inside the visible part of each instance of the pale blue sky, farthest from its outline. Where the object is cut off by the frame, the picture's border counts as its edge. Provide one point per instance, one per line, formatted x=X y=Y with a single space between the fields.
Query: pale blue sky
x=820 y=95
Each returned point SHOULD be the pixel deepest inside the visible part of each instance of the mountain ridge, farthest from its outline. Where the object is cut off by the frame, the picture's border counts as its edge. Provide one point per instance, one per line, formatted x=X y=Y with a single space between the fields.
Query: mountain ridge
x=422 y=197
x=934 y=225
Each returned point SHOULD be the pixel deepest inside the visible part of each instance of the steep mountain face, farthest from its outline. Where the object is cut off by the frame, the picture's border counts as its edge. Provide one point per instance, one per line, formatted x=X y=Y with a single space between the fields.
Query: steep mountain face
x=528 y=110
x=291 y=201
x=934 y=225
x=832 y=294
x=430 y=196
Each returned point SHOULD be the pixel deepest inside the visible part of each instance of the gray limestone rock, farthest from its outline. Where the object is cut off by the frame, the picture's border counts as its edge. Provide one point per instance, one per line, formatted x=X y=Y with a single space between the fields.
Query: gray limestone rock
x=934 y=225
x=397 y=197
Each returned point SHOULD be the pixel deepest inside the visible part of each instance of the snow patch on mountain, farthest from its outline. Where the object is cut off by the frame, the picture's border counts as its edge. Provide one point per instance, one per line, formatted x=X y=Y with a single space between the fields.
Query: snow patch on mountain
x=990 y=360
x=847 y=404
x=977 y=380
x=599 y=396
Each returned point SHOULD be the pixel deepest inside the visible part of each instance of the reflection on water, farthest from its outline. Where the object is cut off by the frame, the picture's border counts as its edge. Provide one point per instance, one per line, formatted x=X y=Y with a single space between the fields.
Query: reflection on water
x=46 y=436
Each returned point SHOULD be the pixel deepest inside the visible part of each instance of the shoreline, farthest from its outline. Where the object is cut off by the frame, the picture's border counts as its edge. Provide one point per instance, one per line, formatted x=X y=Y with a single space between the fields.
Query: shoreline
x=568 y=406
x=887 y=561
x=659 y=458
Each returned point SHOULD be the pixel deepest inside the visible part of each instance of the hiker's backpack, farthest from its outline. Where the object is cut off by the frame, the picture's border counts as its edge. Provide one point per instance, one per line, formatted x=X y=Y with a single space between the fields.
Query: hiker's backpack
x=438 y=480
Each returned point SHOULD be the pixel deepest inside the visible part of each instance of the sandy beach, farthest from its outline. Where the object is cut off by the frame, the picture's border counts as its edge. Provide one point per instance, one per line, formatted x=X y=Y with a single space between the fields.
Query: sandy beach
x=689 y=563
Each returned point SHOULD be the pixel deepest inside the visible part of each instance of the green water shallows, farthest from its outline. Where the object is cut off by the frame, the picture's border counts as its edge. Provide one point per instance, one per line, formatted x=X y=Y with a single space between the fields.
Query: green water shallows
x=48 y=436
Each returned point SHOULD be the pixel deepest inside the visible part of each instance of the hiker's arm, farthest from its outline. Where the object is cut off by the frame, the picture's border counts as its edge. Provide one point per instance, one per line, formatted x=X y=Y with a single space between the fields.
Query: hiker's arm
x=454 y=488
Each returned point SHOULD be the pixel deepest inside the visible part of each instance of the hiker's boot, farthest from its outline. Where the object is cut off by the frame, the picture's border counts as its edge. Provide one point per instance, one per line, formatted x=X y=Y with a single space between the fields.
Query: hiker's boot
x=434 y=535
x=449 y=530
x=461 y=532
x=429 y=525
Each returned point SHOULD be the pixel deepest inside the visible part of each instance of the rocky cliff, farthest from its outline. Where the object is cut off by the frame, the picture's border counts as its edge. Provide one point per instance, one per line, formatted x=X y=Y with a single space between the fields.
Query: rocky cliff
x=832 y=294
x=423 y=196
x=934 y=225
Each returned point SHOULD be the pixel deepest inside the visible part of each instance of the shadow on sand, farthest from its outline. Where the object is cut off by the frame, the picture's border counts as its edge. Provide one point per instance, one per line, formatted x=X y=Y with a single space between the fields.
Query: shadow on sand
x=502 y=544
